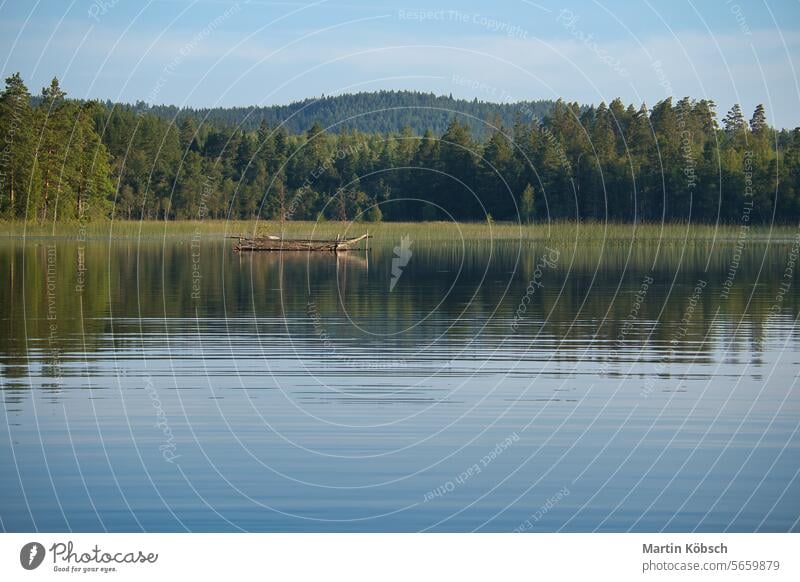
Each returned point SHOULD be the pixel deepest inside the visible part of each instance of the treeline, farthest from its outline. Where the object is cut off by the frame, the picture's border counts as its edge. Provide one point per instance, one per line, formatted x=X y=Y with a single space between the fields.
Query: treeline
x=53 y=164
x=63 y=159
x=377 y=112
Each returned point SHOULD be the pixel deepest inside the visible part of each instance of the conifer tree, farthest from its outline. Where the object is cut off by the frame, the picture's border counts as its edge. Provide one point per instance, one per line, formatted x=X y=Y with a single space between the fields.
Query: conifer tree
x=16 y=149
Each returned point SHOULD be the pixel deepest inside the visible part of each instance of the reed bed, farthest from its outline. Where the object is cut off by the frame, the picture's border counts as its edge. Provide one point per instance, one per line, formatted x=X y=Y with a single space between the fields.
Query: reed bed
x=564 y=232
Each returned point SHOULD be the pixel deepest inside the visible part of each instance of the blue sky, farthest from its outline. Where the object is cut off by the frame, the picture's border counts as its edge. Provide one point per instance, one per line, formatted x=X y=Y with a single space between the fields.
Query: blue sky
x=220 y=52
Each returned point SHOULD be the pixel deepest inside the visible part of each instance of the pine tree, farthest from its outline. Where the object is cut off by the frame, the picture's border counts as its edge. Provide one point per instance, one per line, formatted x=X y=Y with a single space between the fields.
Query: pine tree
x=734 y=121
x=53 y=127
x=426 y=182
x=188 y=135
x=759 y=120
x=498 y=176
x=457 y=159
x=17 y=152
x=92 y=176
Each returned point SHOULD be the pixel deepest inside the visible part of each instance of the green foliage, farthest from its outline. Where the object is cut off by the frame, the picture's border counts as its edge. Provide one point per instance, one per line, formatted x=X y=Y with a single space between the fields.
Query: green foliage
x=527 y=210
x=63 y=159
x=55 y=165
x=16 y=155
x=378 y=112
x=374 y=214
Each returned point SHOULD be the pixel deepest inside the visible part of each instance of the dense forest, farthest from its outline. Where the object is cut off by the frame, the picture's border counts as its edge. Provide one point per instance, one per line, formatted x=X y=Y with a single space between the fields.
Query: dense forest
x=68 y=159
x=378 y=112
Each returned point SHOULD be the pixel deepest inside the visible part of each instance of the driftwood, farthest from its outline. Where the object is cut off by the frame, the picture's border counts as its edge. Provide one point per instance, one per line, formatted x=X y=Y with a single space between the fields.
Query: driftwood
x=273 y=243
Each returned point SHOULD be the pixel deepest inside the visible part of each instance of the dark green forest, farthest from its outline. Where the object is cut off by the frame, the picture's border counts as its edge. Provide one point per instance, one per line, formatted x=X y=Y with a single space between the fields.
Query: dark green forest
x=65 y=159
x=378 y=112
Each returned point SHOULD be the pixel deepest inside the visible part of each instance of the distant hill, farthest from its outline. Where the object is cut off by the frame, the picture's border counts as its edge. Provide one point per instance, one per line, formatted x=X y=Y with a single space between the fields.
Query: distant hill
x=381 y=111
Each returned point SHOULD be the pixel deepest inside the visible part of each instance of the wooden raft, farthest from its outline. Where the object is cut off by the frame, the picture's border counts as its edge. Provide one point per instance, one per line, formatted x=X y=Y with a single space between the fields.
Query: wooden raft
x=274 y=243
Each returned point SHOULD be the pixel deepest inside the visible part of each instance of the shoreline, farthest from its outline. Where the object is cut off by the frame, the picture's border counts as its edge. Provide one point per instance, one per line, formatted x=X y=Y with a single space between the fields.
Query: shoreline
x=432 y=231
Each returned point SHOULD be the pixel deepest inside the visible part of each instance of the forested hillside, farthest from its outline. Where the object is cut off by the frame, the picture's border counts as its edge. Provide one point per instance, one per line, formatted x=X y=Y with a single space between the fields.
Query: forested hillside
x=63 y=159
x=378 y=112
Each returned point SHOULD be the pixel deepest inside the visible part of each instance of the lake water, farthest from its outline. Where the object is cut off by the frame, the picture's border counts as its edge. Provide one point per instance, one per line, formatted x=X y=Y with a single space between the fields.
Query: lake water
x=163 y=386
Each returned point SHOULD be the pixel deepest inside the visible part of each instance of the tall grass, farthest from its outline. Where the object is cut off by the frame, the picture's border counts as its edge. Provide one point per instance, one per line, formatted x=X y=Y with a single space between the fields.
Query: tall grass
x=588 y=232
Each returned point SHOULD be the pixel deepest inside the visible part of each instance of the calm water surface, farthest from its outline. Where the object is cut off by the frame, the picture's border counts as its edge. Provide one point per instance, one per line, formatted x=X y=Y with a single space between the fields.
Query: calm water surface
x=163 y=386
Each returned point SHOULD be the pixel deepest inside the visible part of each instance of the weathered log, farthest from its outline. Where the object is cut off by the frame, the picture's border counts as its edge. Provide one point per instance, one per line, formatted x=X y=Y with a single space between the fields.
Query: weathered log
x=270 y=243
